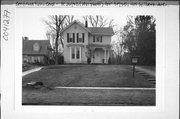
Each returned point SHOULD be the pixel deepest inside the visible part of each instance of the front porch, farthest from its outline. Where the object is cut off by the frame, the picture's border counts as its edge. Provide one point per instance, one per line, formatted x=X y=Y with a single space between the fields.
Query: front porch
x=99 y=53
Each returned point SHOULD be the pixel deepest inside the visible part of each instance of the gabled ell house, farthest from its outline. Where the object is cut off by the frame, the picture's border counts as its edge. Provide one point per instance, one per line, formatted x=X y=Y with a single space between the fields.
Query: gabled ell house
x=35 y=51
x=83 y=42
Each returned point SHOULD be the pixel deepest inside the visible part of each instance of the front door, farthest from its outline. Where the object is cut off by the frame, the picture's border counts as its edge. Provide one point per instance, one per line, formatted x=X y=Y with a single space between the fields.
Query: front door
x=98 y=55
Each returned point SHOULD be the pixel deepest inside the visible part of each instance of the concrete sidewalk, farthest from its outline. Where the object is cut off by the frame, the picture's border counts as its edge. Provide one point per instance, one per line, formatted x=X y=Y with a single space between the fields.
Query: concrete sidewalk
x=31 y=71
x=150 y=72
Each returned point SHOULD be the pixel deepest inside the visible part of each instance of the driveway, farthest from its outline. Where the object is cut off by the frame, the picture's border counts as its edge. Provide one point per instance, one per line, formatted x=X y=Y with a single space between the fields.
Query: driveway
x=146 y=70
x=31 y=71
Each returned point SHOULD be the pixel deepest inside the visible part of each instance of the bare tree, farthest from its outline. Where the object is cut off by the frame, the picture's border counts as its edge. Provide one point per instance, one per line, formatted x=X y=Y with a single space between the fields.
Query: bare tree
x=55 y=24
x=99 y=21
x=69 y=19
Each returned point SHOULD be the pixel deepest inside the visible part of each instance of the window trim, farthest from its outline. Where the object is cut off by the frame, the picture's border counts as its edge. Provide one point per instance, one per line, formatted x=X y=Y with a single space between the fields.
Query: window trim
x=97 y=38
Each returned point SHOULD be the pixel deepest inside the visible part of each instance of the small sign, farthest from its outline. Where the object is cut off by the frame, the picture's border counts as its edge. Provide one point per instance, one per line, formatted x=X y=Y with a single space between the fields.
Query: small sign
x=134 y=60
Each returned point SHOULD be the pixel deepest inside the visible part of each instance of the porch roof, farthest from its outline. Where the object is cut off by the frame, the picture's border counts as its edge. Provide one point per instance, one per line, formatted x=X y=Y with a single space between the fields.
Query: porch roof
x=100 y=45
x=68 y=45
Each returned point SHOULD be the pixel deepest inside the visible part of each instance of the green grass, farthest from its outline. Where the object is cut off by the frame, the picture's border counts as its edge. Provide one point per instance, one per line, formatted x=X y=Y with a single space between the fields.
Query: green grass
x=88 y=76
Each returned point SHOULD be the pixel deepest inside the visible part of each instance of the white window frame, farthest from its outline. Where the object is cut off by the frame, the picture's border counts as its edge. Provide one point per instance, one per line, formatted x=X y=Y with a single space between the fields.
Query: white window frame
x=75 y=53
x=39 y=59
x=98 y=39
x=77 y=49
x=80 y=35
x=70 y=37
x=32 y=59
x=72 y=53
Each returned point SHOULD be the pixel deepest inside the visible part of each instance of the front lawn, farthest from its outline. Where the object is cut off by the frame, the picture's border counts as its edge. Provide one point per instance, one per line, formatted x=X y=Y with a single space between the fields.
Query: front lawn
x=98 y=97
x=88 y=76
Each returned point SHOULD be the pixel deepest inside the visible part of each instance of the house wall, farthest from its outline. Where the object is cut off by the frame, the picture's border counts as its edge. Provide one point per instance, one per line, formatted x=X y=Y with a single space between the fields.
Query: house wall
x=72 y=29
x=75 y=28
x=30 y=58
x=88 y=39
x=67 y=54
x=106 y=40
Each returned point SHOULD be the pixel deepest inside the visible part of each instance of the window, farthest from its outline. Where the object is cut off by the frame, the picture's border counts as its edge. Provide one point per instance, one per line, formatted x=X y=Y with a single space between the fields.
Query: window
x=25 y=59
x=80 y=37
x=71 y=37
x=97 y=39
x=73 y=53
x=77 y=53
x=39 y=59
x=32 y=59
x=36 y=47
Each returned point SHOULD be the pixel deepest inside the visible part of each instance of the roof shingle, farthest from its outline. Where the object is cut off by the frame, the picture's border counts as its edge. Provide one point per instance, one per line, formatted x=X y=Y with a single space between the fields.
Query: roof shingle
x=29 y=50
x=101 y=30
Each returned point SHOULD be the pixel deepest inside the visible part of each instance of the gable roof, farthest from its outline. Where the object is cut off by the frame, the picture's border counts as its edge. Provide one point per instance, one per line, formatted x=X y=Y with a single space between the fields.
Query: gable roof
x=28 y=47
x=74 y=23
x=93 y=30
x=101 y=30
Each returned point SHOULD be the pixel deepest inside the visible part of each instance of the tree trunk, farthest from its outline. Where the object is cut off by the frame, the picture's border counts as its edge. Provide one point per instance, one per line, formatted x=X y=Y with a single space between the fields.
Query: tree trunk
x=56 y=56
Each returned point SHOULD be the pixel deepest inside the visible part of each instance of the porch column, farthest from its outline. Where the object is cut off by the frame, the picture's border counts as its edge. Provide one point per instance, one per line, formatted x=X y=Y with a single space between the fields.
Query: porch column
x=104 y=55
x=70 y=54
x=108 y=54
x=93 y=55
x=75 y=53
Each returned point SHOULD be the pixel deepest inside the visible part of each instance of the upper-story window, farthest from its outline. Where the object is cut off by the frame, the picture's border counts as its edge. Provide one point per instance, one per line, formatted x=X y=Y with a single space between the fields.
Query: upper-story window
x=80 y=37
x=71 y=37
x=36 y=47
x=97 y=39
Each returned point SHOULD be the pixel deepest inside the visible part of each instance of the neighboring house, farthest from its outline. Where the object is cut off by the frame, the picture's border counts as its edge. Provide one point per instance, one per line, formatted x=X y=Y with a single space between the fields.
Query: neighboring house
x=82 y=42
x=35 y=51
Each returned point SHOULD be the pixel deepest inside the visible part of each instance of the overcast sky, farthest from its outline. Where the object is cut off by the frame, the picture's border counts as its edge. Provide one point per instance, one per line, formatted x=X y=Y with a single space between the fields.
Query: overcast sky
x=31 y=21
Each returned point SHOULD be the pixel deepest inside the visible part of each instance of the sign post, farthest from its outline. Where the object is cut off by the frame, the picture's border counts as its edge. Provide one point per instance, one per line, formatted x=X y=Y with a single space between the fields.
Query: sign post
x=134 y=61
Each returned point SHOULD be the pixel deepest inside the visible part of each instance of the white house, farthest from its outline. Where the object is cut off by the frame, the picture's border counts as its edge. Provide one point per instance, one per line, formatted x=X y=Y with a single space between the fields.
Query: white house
x=82 y=42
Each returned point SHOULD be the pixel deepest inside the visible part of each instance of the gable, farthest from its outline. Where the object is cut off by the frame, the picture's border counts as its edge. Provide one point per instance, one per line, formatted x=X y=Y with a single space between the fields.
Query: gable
x=75 y=26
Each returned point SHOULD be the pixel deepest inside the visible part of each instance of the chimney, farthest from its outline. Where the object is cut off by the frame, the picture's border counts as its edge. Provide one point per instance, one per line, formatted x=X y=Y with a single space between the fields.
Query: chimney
x=86 y=23
x=25 y=38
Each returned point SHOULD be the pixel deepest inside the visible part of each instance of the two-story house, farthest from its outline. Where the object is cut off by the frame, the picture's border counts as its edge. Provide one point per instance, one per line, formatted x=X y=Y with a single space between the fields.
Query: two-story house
x=82 y=42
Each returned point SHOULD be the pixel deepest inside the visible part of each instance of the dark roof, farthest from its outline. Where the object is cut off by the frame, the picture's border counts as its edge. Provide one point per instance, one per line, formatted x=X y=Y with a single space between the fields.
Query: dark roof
x=29 y=44
x=101 y=30
x=93 y=30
